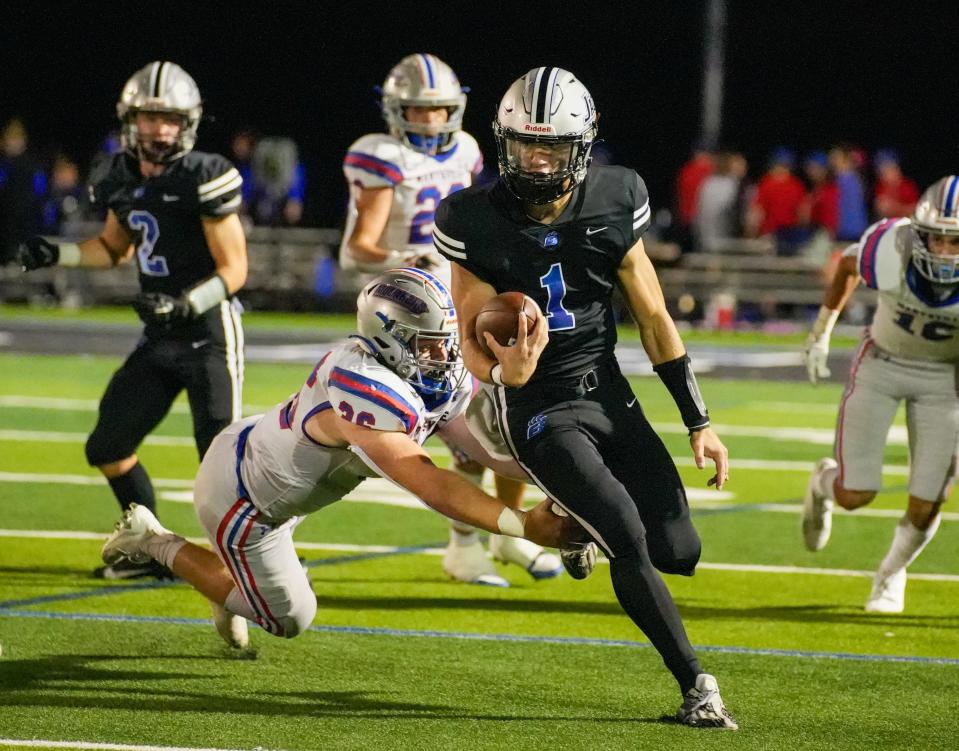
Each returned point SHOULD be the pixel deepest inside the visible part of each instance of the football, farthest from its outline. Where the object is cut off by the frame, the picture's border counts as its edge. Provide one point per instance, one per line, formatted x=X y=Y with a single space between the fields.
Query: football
x=500 y=317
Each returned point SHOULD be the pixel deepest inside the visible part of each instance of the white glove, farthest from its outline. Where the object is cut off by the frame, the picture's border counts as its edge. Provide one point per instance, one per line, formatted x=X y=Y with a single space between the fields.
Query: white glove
x=814 y=355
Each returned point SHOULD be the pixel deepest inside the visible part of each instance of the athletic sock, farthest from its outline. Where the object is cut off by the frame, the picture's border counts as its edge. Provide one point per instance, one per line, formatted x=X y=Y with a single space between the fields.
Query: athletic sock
x=163 y=548
x=907 y=543
x=463 y=534
x=134 y=487
x=643 y=595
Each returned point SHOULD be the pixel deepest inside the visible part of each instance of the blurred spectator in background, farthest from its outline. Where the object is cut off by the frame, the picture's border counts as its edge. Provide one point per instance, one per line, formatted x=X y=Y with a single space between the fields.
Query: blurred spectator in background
x=719 y=209
x=853 y=218
x=896 y=195
x=99 y=167
x=777 y=207
x=823 y=211
x=689 y=180
x=274 y=181
x=62 y=202
x=23 y=186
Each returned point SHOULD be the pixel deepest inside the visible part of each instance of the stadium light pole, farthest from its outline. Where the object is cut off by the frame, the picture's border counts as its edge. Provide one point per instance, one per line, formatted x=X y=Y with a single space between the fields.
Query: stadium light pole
x=714 y=52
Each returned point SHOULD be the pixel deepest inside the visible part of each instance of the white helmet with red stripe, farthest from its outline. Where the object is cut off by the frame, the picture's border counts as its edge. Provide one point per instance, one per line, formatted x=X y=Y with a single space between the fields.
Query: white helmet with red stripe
x=407 y=317
x=545 y=127
x=937 y=213
x=423 y=80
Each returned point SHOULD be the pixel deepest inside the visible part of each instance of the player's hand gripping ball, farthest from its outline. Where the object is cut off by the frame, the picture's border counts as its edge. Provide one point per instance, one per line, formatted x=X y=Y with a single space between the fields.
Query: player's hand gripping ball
x=500 y=317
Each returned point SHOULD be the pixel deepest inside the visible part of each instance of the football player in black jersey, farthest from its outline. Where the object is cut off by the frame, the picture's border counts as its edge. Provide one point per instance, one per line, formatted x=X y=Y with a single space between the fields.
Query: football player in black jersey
x=566 y=234
x=172 y=211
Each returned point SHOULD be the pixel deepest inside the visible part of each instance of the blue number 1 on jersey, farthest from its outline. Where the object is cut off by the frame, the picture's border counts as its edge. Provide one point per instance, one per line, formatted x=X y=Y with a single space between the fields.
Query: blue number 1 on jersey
x=557 y=316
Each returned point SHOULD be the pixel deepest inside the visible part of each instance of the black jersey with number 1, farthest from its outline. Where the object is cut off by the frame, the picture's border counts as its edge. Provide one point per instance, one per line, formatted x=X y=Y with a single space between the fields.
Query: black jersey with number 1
x=568 y=267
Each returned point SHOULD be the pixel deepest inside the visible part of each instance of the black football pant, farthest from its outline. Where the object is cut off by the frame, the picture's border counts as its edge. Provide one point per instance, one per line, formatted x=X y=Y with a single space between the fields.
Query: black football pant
x=591 y=449
x=141 y=392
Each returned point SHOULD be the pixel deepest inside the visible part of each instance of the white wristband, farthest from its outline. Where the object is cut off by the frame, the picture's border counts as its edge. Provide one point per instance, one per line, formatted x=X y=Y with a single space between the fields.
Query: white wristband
x=207 y=294
x=510 y=522
x=69 y=254
x=824 y=322
x=496 y=375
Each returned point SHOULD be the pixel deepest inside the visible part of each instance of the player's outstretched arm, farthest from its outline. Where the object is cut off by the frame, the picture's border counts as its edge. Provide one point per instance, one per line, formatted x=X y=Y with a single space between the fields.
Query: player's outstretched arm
x=107 y=249
x=844 y=282
x=399 y=458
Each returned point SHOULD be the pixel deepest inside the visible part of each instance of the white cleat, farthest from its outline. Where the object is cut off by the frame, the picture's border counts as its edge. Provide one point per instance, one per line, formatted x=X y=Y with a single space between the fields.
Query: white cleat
x=136 y=526
x=231 y=627
x=529 y=555
x=470 y=564
x=888 y=593
x=817 y=509
x=703 y=706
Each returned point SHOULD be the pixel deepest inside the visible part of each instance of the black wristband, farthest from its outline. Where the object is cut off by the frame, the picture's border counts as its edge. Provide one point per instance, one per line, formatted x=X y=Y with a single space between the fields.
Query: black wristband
x=680 y=381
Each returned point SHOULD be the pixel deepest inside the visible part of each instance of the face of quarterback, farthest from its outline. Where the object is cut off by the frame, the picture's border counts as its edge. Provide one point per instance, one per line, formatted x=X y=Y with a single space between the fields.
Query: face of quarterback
x=539 y=157
x=157 y=132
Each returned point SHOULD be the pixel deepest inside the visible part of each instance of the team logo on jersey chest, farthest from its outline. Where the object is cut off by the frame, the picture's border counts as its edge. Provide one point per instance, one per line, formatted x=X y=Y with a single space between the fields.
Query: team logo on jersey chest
x=550 y=240
x=535 y=426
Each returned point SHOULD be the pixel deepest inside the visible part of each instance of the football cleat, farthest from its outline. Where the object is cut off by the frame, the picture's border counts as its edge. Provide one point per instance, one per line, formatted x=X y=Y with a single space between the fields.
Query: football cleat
x=529 y=555
x=817 y=509
x=580 y=560
x=470 y=564
x=124 y=569
x=135 y=527
x=888 y=593
x=231 y=627
x=703 y=706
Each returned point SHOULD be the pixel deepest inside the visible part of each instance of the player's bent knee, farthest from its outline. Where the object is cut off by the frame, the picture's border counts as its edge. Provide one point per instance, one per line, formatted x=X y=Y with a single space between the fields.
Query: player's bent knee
x=299 y=619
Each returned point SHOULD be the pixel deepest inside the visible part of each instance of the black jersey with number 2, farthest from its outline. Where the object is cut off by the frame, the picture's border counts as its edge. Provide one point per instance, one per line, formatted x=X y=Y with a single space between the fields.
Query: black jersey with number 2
x=568 y=267
x=163 y=215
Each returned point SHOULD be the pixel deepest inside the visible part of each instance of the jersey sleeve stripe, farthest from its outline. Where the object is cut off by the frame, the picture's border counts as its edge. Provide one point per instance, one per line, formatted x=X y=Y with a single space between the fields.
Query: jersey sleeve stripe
x=641 y=216
x=368 y=163
x=376 y=393
x=867 y=260
x=230 y=174
x=232 y=185
x=447 y=240
x=445 y=249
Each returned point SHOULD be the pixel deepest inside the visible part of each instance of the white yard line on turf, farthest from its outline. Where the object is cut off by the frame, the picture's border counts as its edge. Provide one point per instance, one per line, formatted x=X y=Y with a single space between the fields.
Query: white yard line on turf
x=91 y=405
x=35 y=743
x=39 y=534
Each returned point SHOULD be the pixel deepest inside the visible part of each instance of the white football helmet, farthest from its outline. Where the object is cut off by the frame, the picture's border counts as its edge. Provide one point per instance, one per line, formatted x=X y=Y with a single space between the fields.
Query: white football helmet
x=407 y=317
x=544 y=128
x=423 y=81
x=937 y=213
x=159 y=87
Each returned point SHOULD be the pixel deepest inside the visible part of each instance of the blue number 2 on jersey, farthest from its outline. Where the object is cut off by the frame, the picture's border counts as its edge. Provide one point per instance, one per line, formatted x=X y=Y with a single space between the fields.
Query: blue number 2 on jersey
x=146 y=224
x=421 y=226
x=557 y=316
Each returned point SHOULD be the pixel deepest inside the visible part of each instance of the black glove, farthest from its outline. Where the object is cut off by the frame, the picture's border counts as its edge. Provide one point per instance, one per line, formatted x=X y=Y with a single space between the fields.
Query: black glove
x=158 y=309
x=36 y=253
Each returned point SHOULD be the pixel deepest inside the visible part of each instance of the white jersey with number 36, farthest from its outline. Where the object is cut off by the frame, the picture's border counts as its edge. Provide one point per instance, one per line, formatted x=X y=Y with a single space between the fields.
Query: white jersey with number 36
x=286 y=473
x=419 y=182
x=912 y=321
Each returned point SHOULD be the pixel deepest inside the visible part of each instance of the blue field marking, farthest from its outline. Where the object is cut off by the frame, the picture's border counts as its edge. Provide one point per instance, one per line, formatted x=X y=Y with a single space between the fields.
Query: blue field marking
x=503 y=638
x=117 y=589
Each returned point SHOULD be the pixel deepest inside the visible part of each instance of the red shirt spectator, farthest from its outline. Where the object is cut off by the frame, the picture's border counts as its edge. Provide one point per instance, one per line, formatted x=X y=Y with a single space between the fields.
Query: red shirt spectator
x=896 y=194
x=688 y=182
x=779 y=199
x=824 y=193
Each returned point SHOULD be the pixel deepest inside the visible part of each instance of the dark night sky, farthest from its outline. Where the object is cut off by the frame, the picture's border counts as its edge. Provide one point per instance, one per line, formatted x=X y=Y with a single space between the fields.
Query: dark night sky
x=800 y=74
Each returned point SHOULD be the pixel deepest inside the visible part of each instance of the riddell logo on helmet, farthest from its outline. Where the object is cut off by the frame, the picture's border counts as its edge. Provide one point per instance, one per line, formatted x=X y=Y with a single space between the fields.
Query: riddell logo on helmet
x=533 y=128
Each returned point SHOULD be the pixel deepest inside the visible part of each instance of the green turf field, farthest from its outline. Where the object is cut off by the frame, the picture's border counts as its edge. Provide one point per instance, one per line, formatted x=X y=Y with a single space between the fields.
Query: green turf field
x=402 y=658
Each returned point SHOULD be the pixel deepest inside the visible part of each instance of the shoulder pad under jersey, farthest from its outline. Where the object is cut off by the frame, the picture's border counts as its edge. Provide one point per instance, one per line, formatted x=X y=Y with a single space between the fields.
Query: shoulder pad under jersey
x=880 y=253
x=374 y=161
x=369 y=394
